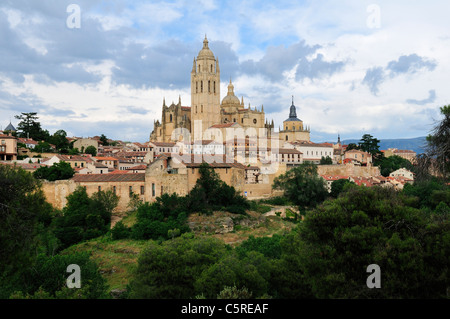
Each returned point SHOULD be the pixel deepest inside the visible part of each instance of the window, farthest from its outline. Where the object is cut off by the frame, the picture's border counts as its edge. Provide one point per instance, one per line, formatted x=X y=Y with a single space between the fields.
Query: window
x=114 y=189
x=142 y=190
x=254 y=121
x=234 y=120
x=153 y=189
x=199 y=68
x=170 y=117
x=242 y=120
x=196 y=111
x=99 y=188
x=3 y=142
x=286 y=137
x=211 y=68
x=196 y=87
x=193 y=170
x=202 y=109
x=131 y=190
x=214 y=86
x=201 y=86
x=162 y=189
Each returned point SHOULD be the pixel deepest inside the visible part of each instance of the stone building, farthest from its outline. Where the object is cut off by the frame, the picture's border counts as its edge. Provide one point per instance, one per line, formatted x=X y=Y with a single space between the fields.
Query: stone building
x=293 y=129
x=8 y=147
x=206 y=110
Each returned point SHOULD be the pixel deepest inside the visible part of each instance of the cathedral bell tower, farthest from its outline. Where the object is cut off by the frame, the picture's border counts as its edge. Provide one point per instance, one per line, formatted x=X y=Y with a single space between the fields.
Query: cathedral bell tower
x=205 y=91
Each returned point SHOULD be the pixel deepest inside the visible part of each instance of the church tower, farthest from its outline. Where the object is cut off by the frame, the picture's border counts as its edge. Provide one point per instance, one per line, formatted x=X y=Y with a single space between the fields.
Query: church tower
x=205 y=91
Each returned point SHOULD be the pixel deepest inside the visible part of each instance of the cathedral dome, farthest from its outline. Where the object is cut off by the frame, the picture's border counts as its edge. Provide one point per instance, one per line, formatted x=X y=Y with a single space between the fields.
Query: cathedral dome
x=205 y=52
x=231 y=99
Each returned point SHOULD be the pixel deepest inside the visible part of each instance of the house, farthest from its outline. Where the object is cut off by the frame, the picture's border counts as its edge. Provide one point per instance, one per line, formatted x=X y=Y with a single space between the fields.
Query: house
x=8 y=147
x=403 y=172
x=312 y=152
x=358 y=157
x=406 y=154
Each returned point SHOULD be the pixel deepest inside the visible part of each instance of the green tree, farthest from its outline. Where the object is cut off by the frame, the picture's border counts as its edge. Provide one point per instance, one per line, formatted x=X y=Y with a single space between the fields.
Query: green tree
x=393 y=163
x=58 y=171
x=339 y=239
x=302 y=185
x=30 y=127
x=338 y=186
x=370 y=145
x=211 y=193
x=84 y=217
x=326 y=161
x=59 y=139
x=170 y=269
x=439 y=143
x=43 y=147
x=91 y=150
x=49 y=275
x=104 y=140
x=22 y=208
x=352 y=146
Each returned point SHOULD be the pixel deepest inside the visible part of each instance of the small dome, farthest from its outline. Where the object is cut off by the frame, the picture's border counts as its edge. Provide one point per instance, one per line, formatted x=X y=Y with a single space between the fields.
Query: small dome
x=205 y=52
x=231 y=98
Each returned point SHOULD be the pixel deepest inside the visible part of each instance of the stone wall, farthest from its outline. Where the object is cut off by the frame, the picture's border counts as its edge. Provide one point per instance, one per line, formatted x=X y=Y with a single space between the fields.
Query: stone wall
x=57 y=191
x=349 y=170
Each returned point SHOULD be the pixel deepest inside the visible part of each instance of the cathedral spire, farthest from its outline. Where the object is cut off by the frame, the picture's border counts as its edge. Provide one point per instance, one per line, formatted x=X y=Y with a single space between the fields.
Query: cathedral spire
x=194 y=67
x=262 y=108
x=293 y=112
x=179 y=100
x=164 y=101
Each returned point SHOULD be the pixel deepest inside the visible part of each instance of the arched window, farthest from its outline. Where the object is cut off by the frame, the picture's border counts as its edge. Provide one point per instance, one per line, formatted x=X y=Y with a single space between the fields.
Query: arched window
x=234 y=120
x=286 y=137
x=199 y=68
x=196 y=86
x=211 y=68
x=170 y=117
x=201 y=86
x=209 y=86
x=202 y=109
x=214 y=86
x=196 y=110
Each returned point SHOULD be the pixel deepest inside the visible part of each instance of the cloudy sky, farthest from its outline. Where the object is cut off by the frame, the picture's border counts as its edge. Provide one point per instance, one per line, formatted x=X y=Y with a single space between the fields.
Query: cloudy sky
x=353 y=67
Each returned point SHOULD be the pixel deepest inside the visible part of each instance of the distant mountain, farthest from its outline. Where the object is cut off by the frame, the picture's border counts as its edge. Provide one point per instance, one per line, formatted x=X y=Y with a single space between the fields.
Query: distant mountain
x=415 y=144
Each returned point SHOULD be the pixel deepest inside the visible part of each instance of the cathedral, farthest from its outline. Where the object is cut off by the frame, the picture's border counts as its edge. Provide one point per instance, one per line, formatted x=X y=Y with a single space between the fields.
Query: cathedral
x=208 y=111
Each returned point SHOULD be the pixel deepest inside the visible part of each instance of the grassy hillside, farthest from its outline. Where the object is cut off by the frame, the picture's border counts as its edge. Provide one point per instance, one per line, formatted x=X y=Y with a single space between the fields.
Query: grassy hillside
x=118 y=259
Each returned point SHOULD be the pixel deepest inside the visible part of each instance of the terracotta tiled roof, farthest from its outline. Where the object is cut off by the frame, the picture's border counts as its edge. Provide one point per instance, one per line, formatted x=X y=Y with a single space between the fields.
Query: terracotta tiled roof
x=118 y=171
x=140 y=167
x=92 y=178
x=288 y=151
x=101 y=158
x=163 y=144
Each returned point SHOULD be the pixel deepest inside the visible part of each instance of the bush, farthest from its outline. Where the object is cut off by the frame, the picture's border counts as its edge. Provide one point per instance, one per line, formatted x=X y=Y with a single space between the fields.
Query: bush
x=120 y=231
